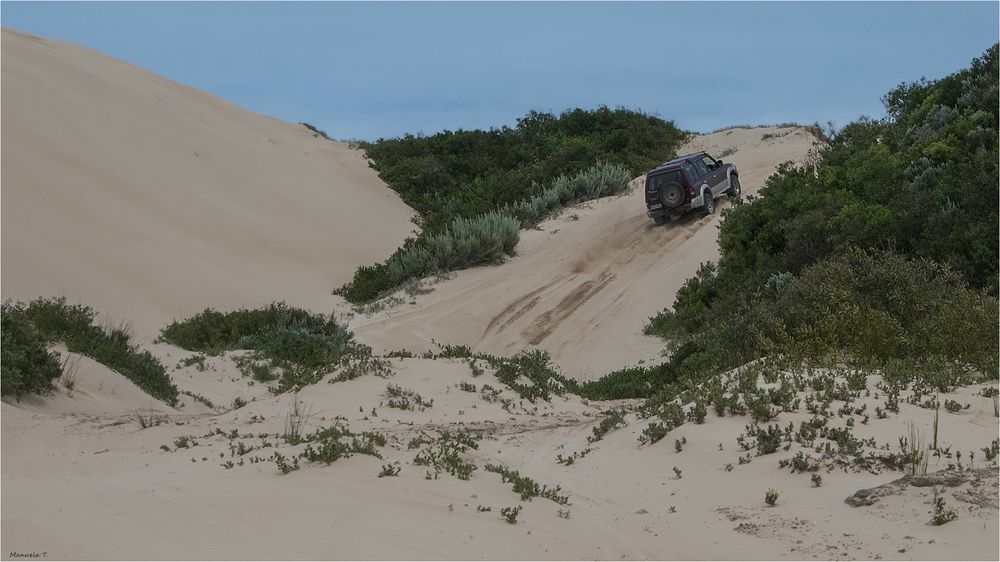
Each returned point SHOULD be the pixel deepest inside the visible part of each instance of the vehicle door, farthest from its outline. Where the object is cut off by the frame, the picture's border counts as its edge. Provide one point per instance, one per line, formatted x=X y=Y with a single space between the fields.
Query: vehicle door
x=700 y=176
x=716 y=178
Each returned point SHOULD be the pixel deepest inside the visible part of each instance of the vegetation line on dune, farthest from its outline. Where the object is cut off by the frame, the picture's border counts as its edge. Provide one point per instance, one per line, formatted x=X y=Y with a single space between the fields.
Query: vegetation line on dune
x=474 y=190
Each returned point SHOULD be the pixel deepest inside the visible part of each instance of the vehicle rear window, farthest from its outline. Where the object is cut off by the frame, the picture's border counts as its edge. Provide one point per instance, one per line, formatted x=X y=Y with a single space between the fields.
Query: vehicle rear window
x=654 y=183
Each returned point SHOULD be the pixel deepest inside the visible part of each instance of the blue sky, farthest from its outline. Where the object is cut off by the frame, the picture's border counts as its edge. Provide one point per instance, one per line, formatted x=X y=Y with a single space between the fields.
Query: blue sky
x=369 y=70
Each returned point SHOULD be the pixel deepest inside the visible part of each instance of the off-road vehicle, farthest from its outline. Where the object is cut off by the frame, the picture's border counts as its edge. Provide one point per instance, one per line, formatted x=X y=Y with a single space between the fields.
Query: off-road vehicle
x=689 y=182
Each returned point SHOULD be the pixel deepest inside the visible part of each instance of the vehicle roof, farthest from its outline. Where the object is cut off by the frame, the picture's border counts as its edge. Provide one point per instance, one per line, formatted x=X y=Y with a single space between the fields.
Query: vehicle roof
x=677 y=162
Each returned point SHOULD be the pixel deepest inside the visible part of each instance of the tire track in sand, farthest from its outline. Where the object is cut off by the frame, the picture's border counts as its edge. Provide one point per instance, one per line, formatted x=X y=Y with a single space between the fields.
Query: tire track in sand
x=516 y=309
x=550 y=320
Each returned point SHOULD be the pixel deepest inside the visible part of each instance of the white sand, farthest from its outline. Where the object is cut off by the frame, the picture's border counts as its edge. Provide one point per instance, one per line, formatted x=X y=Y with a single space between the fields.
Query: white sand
x=150 y=200
x=105 y=201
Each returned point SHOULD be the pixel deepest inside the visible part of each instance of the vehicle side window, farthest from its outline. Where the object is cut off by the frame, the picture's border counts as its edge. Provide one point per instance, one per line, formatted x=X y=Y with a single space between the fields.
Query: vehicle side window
x=699 y=169
x=691 y=173
x=709 y=162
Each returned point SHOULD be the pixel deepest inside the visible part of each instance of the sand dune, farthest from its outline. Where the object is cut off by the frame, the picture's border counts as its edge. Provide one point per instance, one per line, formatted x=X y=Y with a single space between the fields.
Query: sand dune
x=150 y=200
x=585 y=283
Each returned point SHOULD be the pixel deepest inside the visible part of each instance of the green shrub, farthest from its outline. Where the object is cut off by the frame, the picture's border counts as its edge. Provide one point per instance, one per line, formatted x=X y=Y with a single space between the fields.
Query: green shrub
x=771 y=497
x=25 y=363
x=882 y=252
x=467 y=173
x=611 y=420
x=444 y=454
x=531 y=375
x=630 y=382
x=525 y=486
x=292 y=345
x=52 y=320
x=278 y=330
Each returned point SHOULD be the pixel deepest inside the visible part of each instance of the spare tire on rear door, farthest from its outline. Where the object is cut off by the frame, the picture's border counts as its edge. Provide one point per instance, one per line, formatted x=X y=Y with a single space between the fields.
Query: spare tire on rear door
x=671 y=194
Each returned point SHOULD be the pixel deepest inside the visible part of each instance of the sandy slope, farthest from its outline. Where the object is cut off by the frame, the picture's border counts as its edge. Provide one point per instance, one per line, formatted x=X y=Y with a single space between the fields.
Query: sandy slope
x=584 y=284
x=82 y=479
x=150 y=200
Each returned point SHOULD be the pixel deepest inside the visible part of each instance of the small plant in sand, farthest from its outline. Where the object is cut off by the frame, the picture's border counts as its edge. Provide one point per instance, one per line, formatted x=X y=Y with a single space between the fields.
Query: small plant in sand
x=198 y=360
x=390 y=470
x=198 y=398
x=563 y=513
x=295 y=419
x=677 y=472
x=612 y=420
x=444 y=454
x=148 y=418
x=942 y=513
x=817 y=480
x=527 y=487
x=653 y=432
x=510 y=514
x=679 y=444
x=483 y=509
x=405 y=399
x=572 y=458
x=954 y=406
x=914 y=456
x=474 y=368
x=70 y=369
x=467 y=387
x=992 y=451
x=284 y=464
x=771 y=497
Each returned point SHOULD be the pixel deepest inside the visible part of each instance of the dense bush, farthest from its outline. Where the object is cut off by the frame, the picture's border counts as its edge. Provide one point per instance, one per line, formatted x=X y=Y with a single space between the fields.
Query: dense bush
x=52 y=320
x=486 y=238
x=279 y=332
x=26 y=364
x=630 y=382
x=885 y=250
x=467 y=173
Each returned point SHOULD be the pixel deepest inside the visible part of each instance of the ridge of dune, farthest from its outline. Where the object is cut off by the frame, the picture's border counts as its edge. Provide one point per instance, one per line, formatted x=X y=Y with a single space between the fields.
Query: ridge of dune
x=584 y=284
x=150 y=200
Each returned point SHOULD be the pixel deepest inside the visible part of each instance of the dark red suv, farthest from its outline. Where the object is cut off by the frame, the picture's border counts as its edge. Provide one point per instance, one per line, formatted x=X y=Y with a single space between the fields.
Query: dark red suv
x=689 y=182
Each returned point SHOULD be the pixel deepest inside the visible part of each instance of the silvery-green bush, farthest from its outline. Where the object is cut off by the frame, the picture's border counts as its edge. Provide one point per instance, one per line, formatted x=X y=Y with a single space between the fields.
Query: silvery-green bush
x=487 y=238
x=601 y=180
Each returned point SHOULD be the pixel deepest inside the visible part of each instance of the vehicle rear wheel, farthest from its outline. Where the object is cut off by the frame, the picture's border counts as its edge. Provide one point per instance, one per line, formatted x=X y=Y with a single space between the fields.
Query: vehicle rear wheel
x=734 y=188
x=709 y=204
x=671 y=195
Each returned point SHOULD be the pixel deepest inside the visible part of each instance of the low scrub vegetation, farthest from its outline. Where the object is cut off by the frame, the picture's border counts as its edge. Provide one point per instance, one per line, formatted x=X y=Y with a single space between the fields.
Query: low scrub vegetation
x=474 y=190
x=526 y=487
x=486 y=238
x=289 y=345
x=27 y=365
x=880 y=254
x=600 y=180
x=532 y=376
x=468 y=173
